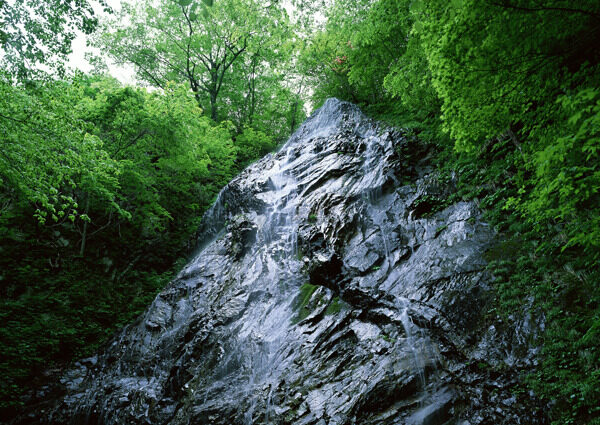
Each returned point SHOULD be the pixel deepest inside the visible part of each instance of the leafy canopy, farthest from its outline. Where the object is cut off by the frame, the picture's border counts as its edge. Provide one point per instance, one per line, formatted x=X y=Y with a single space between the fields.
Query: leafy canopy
x=38 y=33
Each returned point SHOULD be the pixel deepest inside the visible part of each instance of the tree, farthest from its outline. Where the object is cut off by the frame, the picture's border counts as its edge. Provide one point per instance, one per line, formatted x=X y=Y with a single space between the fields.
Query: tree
x=495 y=62
x=47 y=154
x=173 y=160
x=499 y=68
x=196 y=42
x=36 y=33
x=368 y=53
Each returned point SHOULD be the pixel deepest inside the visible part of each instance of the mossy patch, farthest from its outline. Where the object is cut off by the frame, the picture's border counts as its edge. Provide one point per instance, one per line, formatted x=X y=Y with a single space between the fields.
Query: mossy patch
x=302 y=304
x=334 y=307
x=387 y=338
x=299 y=253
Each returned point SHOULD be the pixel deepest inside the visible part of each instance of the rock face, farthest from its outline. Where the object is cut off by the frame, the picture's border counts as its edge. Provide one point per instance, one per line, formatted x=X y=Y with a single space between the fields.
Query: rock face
x=330 y=287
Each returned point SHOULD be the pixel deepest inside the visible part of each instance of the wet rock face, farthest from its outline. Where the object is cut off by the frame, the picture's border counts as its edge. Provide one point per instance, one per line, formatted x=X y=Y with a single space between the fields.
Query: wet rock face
x=329 y=289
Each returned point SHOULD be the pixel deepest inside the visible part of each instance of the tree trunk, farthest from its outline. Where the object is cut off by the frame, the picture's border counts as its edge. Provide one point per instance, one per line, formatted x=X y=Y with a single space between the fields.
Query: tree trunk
x=252 y=90
x=213 y=106
x=85 y=226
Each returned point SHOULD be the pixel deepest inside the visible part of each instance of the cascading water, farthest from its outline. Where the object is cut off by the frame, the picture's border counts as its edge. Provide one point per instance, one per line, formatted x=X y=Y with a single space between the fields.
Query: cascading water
x=316 y=297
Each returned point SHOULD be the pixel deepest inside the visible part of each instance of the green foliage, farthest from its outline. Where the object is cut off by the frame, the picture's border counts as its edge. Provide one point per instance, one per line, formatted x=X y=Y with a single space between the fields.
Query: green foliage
x=61 y=316
x=369 y=53
x=569 y=298
x=252 y=144
x=38 y=33
x=387 y=338
x=534 y=271
x=350 y=58
x=440 y=229
x=174 y=160
x=428 y=205
x=47 y=155
x=563 y=188
x=540 y=183
x=494 y=64
x=102 y=186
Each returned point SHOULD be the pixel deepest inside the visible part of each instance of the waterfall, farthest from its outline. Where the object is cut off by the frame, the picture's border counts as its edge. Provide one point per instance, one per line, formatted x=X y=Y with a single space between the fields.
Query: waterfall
x=315 y=297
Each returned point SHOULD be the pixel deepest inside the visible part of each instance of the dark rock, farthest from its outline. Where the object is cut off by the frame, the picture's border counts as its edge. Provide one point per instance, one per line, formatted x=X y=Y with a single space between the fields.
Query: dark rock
x=327 y=290
x=242 y=235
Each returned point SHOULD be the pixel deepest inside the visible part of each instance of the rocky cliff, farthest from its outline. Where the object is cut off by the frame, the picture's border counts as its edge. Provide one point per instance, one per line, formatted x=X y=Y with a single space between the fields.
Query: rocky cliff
x=333 y=285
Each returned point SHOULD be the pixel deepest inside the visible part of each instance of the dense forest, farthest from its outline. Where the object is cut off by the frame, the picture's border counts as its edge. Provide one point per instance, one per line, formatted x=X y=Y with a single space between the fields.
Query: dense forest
x=103 y=185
